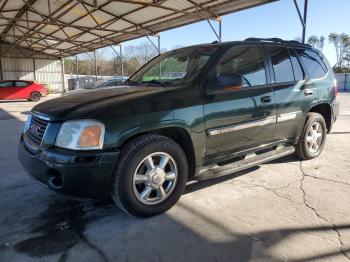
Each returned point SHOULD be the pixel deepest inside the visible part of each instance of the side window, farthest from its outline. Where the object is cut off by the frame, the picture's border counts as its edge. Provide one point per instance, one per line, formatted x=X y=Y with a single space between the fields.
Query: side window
x=21 y=84
x=282 y=65
x=246 y=61
x=313 y=63
x=6 y=84
x=298 y=71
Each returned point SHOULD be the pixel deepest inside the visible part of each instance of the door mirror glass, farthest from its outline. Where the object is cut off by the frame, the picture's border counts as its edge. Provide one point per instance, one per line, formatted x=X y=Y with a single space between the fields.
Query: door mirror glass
x=232 y=81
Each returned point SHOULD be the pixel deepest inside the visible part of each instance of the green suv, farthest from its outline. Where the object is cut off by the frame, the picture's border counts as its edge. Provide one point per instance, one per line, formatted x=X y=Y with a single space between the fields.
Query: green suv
x=192 y=113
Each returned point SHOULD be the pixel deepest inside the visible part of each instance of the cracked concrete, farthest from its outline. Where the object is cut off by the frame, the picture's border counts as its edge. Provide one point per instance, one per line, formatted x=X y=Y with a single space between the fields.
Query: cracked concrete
x=334 y=227
x=285 y=210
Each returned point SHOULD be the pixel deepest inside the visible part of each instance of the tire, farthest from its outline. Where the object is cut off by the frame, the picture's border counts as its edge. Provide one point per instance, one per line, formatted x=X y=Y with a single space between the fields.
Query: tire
x=127 y=194
x=304 y=148
x=35 y=97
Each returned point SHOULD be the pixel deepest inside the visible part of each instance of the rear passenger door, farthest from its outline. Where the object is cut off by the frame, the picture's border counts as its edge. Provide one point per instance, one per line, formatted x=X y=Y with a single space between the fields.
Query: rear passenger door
x=288 y=82
x=318 y=84
x=242 y=116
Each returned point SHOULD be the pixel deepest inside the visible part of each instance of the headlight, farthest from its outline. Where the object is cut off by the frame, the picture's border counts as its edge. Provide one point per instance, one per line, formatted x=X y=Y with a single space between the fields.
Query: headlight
x=27 y=124
x=81 y=135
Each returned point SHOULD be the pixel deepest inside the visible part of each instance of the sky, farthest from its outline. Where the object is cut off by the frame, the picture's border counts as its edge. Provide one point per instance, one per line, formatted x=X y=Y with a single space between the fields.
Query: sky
x=278 y=19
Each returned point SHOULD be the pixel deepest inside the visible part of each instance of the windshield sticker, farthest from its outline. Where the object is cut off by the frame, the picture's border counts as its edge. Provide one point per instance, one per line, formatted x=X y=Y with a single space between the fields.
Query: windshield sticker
x=174 y=75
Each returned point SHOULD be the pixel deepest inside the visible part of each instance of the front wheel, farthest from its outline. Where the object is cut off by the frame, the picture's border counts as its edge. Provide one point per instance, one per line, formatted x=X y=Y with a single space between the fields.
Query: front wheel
x=313 y=138
x=150 y=176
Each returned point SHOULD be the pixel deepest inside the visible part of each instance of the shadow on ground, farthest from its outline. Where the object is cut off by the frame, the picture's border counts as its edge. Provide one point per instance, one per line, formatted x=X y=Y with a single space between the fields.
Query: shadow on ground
x=62 y=226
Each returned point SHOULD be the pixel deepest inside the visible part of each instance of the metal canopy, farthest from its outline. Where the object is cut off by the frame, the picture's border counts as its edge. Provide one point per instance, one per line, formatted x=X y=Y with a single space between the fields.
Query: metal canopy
x=63 y=28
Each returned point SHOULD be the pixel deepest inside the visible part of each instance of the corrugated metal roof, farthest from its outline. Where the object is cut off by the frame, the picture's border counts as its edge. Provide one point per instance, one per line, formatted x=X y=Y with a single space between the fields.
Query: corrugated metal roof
x=62 y=28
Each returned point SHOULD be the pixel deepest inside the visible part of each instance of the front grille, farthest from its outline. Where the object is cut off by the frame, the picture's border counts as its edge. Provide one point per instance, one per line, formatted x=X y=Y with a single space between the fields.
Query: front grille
x=36 y=131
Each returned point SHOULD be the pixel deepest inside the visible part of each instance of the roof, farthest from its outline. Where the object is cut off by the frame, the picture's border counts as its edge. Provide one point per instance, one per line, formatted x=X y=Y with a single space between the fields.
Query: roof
x=62 y=28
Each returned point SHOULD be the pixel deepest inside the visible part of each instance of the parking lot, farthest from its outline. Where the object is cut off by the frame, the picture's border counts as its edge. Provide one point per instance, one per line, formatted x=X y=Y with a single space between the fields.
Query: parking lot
x=284 y=210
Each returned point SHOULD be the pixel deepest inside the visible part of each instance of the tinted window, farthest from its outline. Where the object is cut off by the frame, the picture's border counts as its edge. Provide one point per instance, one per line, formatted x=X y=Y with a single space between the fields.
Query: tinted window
x=313 y=63
x=6 y=84
x=21 y=83
x=282 y=64
x=246 y=61
x=298 y=71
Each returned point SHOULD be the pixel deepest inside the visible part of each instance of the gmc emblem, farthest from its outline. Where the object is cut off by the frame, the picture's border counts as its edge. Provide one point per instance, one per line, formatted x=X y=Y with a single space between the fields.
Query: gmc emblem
x=34 y=129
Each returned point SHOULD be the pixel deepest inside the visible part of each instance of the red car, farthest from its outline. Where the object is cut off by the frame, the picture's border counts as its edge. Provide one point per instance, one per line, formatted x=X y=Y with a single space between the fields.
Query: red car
x=21 y=89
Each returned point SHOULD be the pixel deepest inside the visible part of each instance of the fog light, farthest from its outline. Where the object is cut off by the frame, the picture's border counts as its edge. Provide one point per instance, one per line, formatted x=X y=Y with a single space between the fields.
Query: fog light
x=55 y=179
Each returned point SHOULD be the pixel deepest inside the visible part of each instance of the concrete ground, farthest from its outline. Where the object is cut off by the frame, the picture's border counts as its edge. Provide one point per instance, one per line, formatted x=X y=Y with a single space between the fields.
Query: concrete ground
x=284 y=210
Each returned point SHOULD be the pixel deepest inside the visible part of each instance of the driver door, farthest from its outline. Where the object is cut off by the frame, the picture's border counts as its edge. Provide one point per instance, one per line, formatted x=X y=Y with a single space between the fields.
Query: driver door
x=239 y=117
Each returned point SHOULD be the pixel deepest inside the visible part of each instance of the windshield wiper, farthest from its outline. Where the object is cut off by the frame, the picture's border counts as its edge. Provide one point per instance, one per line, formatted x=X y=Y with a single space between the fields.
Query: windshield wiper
x=157 y=82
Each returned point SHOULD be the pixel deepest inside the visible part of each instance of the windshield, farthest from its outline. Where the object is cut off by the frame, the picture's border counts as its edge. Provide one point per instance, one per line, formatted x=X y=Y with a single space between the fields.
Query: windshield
x=173 y=68
x=105 y=83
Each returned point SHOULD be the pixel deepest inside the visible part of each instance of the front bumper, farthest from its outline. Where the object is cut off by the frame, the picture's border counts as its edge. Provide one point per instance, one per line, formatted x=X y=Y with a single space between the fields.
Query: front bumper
x=43 y=93
x=78 y=174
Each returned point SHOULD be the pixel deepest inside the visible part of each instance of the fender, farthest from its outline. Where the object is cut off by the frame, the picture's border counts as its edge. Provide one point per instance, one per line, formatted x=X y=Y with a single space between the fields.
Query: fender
x=127 y=134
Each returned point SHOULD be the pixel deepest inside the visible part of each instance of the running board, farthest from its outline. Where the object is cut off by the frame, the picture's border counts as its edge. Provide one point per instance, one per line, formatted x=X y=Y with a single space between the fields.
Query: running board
x=249 y=161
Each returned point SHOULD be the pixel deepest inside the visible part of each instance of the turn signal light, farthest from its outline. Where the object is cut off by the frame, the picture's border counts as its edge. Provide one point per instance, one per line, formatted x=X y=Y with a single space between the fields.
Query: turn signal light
x=90 y=137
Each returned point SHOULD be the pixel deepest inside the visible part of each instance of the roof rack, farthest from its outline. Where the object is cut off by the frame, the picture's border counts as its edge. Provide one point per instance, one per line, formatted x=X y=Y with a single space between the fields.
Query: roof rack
x=276 y=40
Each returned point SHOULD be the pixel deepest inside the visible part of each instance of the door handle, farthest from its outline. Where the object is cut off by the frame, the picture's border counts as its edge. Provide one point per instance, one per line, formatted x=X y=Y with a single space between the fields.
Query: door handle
x=308 y=92
x=265 y=99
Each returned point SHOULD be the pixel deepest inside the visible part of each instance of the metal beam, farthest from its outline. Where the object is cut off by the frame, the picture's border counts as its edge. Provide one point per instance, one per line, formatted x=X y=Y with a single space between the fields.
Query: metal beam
x=95 y=62
x=305 y=19
x=217 y=34
x=157 y=47
x=77 y=72
x=19 y=14
x=120 y=55
x=302 y=18
x=62 y=75
x=34 y=70
x=1 y=68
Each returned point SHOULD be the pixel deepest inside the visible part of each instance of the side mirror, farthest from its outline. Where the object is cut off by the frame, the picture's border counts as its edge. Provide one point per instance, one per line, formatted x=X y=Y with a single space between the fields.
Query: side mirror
x=229 y=81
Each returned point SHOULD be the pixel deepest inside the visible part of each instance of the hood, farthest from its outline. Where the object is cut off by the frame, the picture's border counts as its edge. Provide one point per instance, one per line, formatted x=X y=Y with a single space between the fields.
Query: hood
x=89 y=102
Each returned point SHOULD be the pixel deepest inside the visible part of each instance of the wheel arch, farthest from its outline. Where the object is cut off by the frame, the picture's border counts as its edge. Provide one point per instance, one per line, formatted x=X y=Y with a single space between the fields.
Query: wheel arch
x=180 y=134
x=324 y=109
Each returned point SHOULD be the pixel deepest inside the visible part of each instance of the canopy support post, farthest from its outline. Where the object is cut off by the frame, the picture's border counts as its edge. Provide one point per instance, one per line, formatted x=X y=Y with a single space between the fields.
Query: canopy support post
x=120 y=55
x=303 y=18
x=158 y=43
x=77 y=72
x=217 y=33
x=95 y=62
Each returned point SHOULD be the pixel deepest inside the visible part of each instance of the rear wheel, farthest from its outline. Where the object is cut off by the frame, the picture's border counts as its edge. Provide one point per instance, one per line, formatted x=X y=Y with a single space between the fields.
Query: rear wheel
x=150 y=176
x=35 y=97
x=313 y=138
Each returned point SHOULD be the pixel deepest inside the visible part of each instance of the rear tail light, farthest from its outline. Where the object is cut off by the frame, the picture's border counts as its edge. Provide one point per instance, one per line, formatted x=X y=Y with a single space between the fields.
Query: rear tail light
x=335 y=87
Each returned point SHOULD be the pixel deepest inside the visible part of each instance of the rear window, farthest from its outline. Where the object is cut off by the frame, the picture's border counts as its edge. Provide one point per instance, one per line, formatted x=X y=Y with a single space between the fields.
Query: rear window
x=313 y=63
x=298 y=71
x=282 y=65
x=22 y=84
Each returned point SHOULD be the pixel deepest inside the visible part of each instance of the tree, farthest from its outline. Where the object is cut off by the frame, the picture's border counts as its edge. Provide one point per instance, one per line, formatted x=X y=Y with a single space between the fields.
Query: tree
x=322 y=42
x=313 y=41
x=341 y=44
x=316 y=42
x=109 y=63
